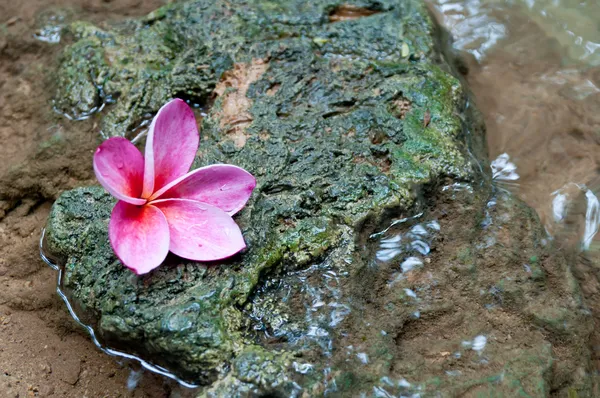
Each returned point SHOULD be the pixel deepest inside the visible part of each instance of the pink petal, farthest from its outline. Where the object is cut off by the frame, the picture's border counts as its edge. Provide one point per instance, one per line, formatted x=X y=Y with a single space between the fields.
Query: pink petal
x=171 y=145
x=200 y=231
x=119 y=167
x=224 y=186
x=139 y=235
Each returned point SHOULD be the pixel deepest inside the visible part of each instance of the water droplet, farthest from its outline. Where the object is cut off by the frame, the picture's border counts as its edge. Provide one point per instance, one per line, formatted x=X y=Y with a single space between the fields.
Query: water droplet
x=224 y=187
x=120 y=164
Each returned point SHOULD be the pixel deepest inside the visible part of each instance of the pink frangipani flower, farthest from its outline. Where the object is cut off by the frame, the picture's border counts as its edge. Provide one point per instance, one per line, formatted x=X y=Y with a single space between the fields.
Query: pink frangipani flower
x=160 y=207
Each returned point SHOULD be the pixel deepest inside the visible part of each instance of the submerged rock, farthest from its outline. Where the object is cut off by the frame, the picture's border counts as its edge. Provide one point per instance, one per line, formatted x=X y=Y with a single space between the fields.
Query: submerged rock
x=381 y=260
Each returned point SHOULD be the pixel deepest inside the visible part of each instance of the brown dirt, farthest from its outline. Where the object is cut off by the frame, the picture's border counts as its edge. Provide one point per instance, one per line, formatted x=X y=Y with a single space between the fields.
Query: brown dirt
x=42 y=351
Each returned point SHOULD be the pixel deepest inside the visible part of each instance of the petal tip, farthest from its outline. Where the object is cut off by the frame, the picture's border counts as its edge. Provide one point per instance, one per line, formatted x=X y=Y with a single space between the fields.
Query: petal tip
x=139 y=236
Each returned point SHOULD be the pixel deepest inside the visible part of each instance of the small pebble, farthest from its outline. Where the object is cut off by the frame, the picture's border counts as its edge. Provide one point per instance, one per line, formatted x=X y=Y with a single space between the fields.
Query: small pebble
x=12 y=21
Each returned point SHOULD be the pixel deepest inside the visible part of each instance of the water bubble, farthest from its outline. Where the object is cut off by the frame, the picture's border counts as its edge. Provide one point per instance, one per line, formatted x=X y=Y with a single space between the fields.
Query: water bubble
x=381 y=393
x=559 y=206
x=318 y=304
x=387 y=380
x=316 y=331
x=339 y=314
x=49 y=34
x=564 y=200
x=391 y=242
x=387 y=254
x=433 y=225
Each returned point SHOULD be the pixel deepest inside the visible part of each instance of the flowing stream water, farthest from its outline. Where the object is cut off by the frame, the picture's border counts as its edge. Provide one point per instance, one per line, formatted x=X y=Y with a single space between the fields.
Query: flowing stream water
x=534 y=69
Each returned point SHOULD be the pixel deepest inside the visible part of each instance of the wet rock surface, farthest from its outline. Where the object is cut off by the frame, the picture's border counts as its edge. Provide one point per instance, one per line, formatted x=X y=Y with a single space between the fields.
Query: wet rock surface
x=381 y=258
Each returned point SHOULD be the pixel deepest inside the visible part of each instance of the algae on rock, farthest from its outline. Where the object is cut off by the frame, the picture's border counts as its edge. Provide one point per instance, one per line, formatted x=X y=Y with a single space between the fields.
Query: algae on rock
x=366 y=156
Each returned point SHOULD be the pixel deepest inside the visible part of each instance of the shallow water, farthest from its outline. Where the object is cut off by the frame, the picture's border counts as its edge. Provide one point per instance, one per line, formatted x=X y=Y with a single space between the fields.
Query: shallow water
x=534 y=71
x=480 y=26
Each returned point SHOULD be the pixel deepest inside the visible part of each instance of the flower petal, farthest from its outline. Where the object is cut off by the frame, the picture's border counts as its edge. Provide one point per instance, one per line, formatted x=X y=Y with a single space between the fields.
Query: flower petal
x=171 y=145
x=119 y=167
x=222 y=185
x=200 y=231
x=139 y=235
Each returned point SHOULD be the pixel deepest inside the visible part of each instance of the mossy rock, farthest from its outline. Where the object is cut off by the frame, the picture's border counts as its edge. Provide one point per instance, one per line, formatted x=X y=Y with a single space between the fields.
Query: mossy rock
x=358 y=134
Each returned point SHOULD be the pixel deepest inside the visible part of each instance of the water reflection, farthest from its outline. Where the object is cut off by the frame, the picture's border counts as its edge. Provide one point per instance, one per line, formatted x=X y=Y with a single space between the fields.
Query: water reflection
x=534 y=69
x=473 y=26
x=479 y=25
x=570 y=203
